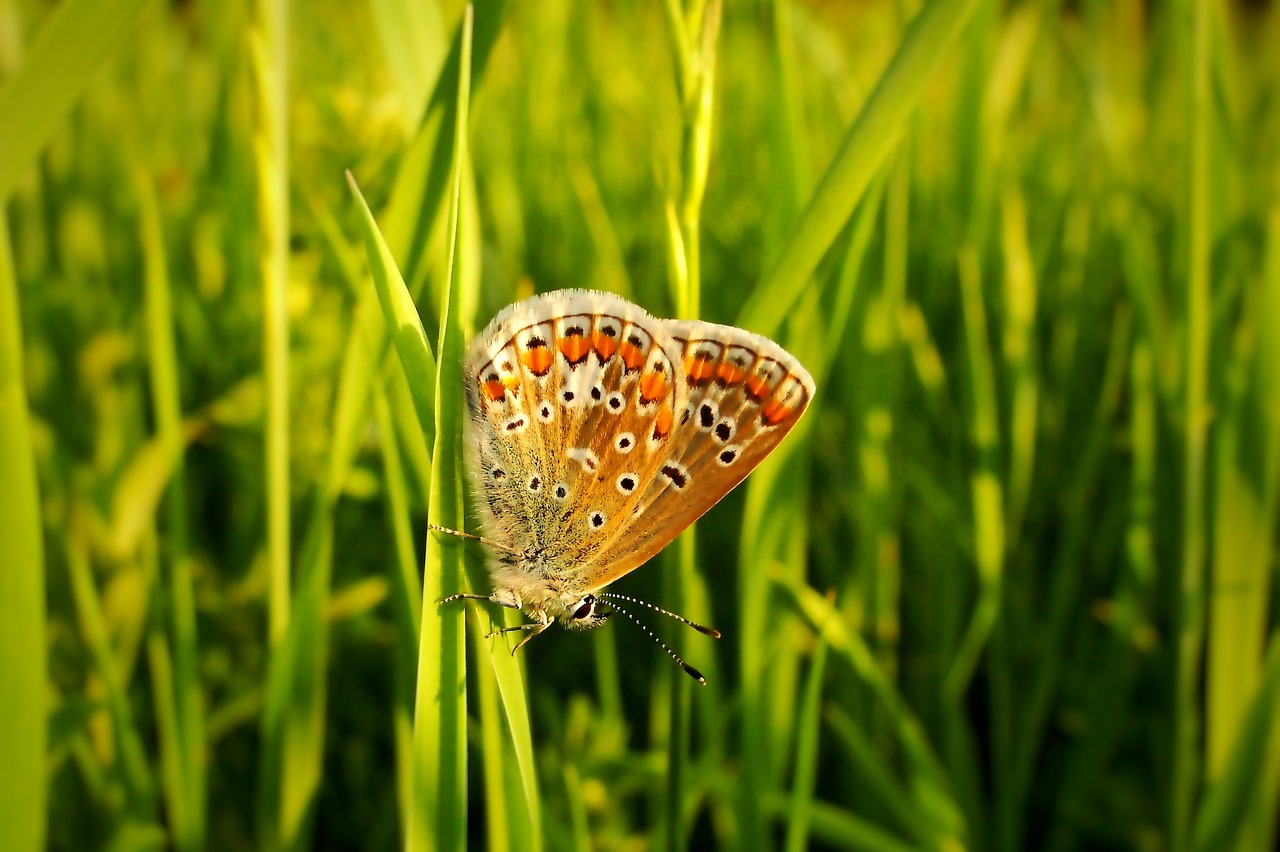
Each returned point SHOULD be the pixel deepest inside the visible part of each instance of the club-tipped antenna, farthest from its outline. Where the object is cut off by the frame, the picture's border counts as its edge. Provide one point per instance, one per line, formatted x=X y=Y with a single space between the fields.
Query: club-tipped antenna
x=709 y=631
x=690 y=670
x=482 y=540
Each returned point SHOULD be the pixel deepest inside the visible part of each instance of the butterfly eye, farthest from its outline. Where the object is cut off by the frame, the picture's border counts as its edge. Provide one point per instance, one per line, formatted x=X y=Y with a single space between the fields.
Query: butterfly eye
x=585 y=607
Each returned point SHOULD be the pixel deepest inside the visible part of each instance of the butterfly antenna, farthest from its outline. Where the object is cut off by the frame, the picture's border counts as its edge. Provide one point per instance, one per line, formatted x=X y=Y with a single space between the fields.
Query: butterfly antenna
x=692 y=672
x=488 y=541
x=710 y=631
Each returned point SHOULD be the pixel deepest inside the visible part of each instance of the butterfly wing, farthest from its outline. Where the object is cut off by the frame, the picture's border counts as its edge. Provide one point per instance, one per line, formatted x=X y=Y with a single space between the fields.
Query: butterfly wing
x=742 y=394
x=573 y=397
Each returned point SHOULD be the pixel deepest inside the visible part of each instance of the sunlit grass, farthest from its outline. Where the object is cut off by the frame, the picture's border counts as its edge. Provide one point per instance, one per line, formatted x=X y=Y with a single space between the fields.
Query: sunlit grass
x=1010 y=583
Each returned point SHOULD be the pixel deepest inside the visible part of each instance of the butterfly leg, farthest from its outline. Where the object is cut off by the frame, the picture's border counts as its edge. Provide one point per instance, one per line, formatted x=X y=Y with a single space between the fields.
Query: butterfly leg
x=533 y=625
x=464 y=596
x=537 y=627
x=533 y=628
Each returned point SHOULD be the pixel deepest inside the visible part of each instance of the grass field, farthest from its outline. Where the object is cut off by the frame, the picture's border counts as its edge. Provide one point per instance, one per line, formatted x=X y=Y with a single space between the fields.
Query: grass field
x=1009 y=585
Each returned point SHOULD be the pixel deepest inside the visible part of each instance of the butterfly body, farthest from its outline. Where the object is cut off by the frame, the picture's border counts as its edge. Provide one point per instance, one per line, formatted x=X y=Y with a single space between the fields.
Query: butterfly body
x=596 y=433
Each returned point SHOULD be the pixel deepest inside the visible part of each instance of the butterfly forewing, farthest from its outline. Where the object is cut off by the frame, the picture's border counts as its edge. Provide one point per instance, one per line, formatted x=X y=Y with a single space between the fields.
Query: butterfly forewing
x=742 y=395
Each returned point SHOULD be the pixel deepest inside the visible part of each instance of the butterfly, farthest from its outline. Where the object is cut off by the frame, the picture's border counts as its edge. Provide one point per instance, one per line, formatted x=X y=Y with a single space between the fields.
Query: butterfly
x=596 y=433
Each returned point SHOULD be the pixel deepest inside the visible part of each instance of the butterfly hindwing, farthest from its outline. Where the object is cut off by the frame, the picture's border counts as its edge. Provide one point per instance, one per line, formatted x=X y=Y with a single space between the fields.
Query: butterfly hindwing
x=571 y=395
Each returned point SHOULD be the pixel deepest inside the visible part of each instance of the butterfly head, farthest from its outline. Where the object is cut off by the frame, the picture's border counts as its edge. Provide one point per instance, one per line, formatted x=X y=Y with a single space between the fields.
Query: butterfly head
x=585 y=614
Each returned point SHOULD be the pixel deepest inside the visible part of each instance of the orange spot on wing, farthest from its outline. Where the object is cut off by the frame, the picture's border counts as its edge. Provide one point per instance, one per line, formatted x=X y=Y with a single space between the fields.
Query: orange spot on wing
x=604 y=345
x=538 y=360
x=729 y=374
x=757 y=387
x=775 y=412
x=652 y=386
x=632 y=356
x=698 y=368
x=494 y=390
x=662 y=423
x=574 y=347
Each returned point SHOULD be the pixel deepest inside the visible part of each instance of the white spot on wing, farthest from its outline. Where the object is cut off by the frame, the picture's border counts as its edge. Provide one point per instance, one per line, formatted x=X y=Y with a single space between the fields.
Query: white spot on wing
x=585 y=457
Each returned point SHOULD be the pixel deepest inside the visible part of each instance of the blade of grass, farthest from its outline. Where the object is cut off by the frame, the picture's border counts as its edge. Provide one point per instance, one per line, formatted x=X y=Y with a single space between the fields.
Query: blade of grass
x=985 y=482
x=407 y=333
x=439 y=801
x=515 y=704
x=1240 y=568
x=163 y=359
x=696 y=74
x=1019 y=354
x=406 y=599
x=22 y=599
x=1221 y=815
x=1190 y=614
x=61 y=64
x=839 y=827
x=501 y=832
x=806 y=761
x=1265 y=818
x=865 y=147
x=134 y=773
x=269 y=41
x=160 y=668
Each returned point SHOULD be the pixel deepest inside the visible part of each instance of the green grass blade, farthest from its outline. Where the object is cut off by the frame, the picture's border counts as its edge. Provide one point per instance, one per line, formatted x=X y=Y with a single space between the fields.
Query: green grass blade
x=985 y=483
x=163 y=359
x=270 y=52
x=695 y=49
x=134 y=773
x=406 y=598
x=1185 y=748
x=62 y=63
x=500 y=815
x=401 y=316
x=838 y=827
x=160 y=668
x=439 y=801
x=865 y=147
x=806 y=760
x=293 y=712
x=1222 y=813
x=22 y=596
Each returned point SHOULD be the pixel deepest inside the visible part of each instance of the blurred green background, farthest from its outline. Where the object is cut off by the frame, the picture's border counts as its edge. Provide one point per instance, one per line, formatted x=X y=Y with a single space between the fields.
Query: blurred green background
x=1009 y=586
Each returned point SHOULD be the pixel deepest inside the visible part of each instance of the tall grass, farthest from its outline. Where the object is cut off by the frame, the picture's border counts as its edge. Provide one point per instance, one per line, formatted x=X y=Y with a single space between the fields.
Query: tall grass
x=1010 y=583
x=22 y=645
